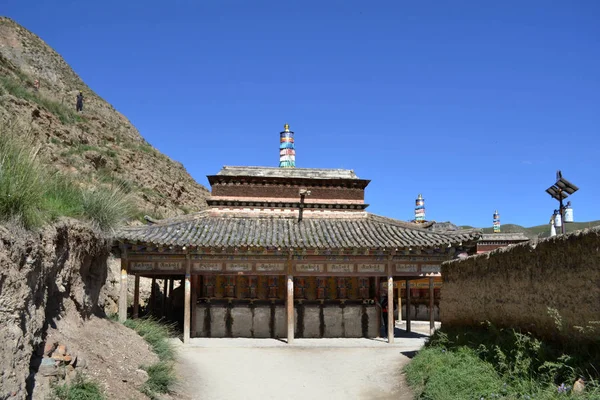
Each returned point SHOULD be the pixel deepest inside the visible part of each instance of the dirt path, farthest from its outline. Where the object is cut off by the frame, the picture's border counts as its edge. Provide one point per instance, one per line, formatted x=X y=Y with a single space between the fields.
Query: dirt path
x=214 y=369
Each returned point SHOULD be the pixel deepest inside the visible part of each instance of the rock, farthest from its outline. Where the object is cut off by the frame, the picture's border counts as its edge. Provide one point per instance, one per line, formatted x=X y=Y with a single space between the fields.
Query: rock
x=579 y=386
x=66 y=358
x=143 y=374
x=49 y=348
x=48 y=370
x=61 y=349
x=81 y=363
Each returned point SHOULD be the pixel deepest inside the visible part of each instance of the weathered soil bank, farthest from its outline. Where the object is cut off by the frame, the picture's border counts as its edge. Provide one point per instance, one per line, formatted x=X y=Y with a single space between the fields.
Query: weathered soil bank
x=51 y=294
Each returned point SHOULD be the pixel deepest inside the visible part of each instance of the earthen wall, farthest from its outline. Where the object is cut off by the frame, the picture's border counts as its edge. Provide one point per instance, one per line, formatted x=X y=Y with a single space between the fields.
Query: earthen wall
x=527 y=286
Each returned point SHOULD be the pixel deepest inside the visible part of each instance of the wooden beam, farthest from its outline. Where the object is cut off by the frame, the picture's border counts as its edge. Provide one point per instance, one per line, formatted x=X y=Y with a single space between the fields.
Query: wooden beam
x=136 y=297
x=123 y=288
x=431 y=316
x=187 y=301
x=407 y=305
x=289 y=302
x=390 y=316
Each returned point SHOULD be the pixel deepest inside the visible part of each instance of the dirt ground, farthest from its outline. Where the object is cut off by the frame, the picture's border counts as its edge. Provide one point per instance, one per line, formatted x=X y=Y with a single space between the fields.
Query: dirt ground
x=308 y=369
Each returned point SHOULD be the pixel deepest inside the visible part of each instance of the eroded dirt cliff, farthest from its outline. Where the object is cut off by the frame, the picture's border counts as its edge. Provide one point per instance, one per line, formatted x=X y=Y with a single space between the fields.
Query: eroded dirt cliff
x=51 y=319
x=98 y=146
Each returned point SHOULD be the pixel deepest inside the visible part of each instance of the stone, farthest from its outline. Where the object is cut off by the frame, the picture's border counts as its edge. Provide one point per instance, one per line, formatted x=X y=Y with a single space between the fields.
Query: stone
x=58 y=357
x=48 y=370
x=61 y=349
x=49 y=348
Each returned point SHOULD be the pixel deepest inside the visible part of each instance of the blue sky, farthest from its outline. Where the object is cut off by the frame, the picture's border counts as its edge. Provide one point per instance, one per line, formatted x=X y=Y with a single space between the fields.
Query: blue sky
x=474 y=104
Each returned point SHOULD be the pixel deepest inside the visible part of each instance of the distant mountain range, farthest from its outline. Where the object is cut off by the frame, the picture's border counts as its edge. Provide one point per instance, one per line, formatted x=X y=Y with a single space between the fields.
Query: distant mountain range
x=540 y=230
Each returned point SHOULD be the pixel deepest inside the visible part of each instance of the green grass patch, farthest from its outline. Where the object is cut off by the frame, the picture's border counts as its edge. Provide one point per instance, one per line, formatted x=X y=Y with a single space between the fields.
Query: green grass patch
x=161 y=376
x=436 y=373
x=156 y=334
x=21 y=182
x=82 y=388
x=491 y=363
x=106 y=207
x=31 y=195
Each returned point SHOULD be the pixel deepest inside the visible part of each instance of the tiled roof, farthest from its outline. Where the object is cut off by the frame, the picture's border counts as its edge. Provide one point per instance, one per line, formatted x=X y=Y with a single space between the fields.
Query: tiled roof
x=499 y=237
x=362 y=231
x=275 y=172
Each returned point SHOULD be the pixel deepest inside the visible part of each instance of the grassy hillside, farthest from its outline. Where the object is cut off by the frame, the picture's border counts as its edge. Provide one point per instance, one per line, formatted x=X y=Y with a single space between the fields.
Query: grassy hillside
x=98 y=148
x=541 y=230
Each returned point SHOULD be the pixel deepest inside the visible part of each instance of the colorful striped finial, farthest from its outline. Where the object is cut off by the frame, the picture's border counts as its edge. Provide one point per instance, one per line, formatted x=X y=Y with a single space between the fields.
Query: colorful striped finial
x=420 y=209
x=496 y=222
x=287 y=152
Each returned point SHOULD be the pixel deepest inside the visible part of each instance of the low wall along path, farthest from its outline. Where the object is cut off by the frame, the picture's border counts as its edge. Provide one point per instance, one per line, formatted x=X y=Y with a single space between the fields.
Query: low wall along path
x=519 y=286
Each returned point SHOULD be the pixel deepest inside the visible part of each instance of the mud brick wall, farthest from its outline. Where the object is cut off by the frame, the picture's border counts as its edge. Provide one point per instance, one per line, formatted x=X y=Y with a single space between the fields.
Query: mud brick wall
x=515 y=286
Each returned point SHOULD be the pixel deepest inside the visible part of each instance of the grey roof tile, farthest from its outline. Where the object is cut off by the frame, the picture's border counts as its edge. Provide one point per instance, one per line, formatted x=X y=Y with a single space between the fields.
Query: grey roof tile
x=364 y=230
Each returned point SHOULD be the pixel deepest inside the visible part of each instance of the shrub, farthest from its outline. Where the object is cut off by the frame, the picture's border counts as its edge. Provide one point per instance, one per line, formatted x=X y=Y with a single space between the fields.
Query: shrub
x=63 y=197
x=21 y=181
x=107 y=207
x=490 y=363
x=81 y=388
x=160 y=378
x=156 y=334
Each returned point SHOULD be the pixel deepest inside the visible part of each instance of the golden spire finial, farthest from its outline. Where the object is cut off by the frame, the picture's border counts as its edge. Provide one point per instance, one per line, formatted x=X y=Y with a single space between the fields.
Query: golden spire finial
x=286 y=127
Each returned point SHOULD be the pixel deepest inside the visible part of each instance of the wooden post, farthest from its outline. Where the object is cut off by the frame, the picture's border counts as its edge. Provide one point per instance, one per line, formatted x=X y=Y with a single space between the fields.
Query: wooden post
x=152 y=301
x=163 y=310
x=195 y=280
x=123 y=288
x=390 y=316
x=171 y=287
x=378 y=306
x=187 y=301
x=431 y=316
x=136 y=297
x=290 y=309
x=407 y=305
x=399 y=303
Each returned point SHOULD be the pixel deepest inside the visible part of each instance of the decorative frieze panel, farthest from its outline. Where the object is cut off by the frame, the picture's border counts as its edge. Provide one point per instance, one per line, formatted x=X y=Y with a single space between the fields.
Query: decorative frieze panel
x=371 y=268
x=406 y=267
x=269 y=267
x=310 y=267
x=207 y=267
x=141 y=265
x=431 y=269
x=170 y=266
x=238 y=267
x=340 y=268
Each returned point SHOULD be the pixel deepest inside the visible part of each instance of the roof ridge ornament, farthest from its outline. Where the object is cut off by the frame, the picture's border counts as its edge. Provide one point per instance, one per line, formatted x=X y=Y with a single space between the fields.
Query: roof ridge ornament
x=287 y=151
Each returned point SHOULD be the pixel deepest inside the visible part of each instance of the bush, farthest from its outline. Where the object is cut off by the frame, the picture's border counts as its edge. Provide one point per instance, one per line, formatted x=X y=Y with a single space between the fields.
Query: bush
x=80 y=389
x=490 y=363
x=156 y=334
x=160 y=378
x=63 y=197
x=436 y=373
x=32 y=196
x=21 y=181
x=107 y=207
